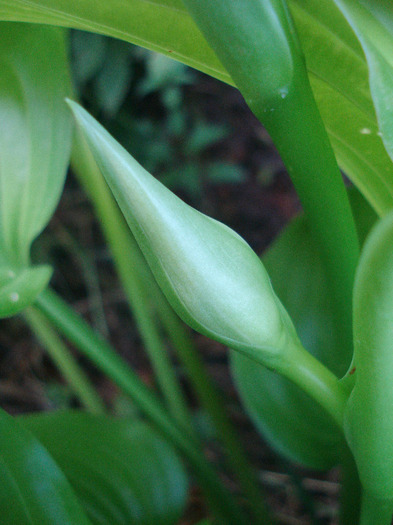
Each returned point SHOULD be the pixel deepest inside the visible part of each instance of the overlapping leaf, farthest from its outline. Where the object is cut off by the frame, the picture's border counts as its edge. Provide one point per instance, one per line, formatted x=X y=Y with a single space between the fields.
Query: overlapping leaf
x=122 y=471
x=373 y=24
x=34 y=490
x=335 y=61
x=35 y=139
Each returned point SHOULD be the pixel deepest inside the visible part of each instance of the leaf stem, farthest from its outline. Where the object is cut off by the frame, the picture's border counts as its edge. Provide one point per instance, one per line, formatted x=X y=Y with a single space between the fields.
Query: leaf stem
x=63 y=359
x=316 y=380
x=104 y=357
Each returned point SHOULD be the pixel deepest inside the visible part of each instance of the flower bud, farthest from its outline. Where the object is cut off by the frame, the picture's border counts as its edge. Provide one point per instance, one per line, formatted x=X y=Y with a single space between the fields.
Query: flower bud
x=210 y=275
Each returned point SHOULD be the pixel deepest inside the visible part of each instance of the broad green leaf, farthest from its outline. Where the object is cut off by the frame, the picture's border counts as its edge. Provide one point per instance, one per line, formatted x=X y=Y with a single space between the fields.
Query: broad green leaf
x=373 y=24
x=369 y=416
x=122 y=471
x=290 y=420
x=34 y=491
x=35 y=141
x=209 y=274
x=337 y=67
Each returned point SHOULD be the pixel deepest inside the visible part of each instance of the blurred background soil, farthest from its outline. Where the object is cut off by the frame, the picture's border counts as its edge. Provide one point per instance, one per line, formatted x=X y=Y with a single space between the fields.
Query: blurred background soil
x=198 y=137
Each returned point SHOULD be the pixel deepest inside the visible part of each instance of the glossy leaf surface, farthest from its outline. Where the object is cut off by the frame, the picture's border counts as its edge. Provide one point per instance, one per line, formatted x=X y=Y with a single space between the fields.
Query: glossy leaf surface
x=34 y=491
x=35 y=143
x=373 y=24
x=289 y=419
x=209 y=274
x=337 y=67
x=369 y=416
x=122 y=471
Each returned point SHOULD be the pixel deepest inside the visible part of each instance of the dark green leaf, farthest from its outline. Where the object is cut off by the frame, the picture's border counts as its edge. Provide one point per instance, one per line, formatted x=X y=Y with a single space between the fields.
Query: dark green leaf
x=34 y=491
x=122 y=471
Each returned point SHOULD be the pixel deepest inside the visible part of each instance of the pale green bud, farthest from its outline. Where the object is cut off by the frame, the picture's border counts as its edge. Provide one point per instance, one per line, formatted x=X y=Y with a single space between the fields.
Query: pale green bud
x=210 y=275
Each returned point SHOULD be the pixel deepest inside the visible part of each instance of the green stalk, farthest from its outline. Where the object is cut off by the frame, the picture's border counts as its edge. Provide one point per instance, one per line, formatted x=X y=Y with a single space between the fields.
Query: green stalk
x=317 y=381
x=127 y=261
x=64 y=361
x=375 y=511
x=104 y=357
x=256 y=42
x=137 y=277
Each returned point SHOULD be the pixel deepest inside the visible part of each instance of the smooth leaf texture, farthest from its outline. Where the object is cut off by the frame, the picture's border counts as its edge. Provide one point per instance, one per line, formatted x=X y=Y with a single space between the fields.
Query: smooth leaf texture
x=337 y=67
x=209 y=274
x=122 y=471
x=34 y=491
x=369 y=416
x=35 y=143
x=373 y=24
x=289 y=419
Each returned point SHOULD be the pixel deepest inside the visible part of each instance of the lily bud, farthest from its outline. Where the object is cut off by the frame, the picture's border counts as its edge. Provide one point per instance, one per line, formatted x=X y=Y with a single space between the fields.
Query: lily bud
x=210 y=275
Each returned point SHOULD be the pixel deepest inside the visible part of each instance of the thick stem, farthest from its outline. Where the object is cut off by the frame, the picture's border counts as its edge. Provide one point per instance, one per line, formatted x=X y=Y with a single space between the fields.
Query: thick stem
x=104 y=357
x=317 y=381
x=301 y=139
x=375 y=511
x=64 y=361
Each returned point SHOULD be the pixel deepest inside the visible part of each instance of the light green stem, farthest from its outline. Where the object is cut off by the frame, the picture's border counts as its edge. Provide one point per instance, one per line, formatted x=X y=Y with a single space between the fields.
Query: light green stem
x=137 y=278
x=125 y=253
x=63 y=359
x=375 y=511
x=317 y=381
x=104 y=357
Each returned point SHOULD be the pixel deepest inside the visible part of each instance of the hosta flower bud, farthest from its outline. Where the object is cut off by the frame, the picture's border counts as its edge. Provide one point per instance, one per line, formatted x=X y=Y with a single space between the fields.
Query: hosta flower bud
x=212 y=278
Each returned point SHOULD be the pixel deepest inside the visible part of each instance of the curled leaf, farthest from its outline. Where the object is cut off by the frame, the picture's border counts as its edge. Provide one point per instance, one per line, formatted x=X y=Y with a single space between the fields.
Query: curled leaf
x=35 y=143
x=369 y=416
x=212 y=278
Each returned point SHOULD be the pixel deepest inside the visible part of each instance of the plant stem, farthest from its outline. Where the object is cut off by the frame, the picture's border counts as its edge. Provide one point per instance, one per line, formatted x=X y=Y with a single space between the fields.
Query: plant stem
x=317 y=381
x=105 y=358
x=63 y=359
x=375 y=511
x=125 y=253
x=137 y=277
x=301 y=139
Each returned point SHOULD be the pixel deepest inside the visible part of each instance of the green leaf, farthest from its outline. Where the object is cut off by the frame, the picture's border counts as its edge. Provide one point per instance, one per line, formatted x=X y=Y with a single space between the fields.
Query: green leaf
x=369 y=416
x=209 y=274
x=373 y=24
x=289 y=419
x=122 y=471
x=337 y=67
x=35 y=143
x=18 y=290
x=34 y=491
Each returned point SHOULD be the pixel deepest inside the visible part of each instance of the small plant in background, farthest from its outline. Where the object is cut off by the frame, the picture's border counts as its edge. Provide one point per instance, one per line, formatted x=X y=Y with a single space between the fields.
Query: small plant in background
x=309 y=327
